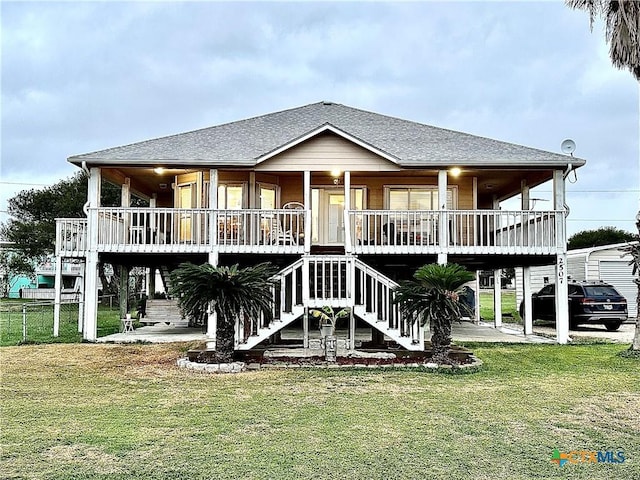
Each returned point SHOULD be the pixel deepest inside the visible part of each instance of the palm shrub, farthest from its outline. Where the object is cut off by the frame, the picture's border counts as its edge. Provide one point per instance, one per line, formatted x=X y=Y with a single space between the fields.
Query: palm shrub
x=229 y=292
x=433 y=298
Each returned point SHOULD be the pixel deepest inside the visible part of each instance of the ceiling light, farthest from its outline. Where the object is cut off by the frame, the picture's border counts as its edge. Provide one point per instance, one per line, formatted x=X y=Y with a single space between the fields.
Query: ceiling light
x=159 y=170
x=335 y=172
x=455 y=171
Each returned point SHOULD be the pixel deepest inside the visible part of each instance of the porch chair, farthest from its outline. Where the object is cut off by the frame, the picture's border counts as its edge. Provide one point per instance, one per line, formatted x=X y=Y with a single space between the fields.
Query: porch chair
x=287 y=231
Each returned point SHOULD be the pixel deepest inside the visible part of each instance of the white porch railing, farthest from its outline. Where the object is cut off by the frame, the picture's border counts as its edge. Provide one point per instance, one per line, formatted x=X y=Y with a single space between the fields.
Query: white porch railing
x=168 y=230
x=71 y=237
x=457 y=231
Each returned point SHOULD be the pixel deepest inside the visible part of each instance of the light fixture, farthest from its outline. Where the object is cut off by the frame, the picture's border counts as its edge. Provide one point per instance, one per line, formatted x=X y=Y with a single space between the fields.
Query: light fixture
x=335 y=172
x=158 y=170
x=455 y=171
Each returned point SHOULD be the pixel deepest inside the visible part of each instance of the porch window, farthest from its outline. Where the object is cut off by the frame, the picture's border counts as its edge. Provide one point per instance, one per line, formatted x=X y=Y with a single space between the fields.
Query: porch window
x=416 y=198
x=230 y=196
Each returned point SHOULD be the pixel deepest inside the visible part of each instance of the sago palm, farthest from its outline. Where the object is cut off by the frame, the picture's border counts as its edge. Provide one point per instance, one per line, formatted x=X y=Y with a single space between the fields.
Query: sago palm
x=433 y=298
x=228 y=291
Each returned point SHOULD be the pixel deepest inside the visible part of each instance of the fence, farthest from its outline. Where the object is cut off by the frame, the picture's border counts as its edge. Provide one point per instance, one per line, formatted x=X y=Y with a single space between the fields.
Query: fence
x=32 y=321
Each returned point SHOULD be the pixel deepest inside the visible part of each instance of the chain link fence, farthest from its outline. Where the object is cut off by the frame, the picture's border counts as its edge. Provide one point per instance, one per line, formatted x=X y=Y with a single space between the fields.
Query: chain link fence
x=32 y=321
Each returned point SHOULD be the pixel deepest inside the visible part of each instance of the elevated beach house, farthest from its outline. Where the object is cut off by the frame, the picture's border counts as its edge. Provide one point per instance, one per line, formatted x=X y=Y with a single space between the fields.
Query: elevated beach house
x=345 y=201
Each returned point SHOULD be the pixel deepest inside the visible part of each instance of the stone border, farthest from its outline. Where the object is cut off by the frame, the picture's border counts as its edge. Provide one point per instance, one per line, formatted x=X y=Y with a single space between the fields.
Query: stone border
x=238 y=367
x=234 y=367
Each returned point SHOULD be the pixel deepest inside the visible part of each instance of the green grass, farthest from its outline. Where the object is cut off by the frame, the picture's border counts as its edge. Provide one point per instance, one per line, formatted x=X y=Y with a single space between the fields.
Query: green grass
x=509 y=308
x=39 y=318
x=83 y=411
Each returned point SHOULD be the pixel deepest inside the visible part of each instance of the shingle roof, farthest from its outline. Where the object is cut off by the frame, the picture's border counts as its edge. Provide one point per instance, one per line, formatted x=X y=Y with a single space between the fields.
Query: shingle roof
x=244 y=142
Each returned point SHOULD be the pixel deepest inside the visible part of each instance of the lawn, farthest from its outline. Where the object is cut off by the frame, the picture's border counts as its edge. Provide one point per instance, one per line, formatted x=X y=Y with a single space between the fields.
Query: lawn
x=509 y=308
x=85 y=411
x=39 y=322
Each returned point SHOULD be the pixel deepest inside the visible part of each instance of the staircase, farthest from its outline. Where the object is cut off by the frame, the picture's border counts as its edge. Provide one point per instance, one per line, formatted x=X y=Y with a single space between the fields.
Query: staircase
x=163 y=311
x=339 y=281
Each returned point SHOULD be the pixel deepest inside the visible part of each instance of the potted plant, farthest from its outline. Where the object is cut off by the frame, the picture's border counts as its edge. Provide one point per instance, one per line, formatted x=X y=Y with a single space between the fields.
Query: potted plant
x=328 y=318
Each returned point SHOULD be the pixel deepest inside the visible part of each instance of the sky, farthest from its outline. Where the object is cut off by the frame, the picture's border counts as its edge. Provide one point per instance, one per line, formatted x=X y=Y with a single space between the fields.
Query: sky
x=83 y=76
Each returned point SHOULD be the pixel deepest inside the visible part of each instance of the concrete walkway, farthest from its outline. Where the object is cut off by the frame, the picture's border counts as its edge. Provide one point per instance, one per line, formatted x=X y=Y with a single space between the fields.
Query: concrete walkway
x=461 y=332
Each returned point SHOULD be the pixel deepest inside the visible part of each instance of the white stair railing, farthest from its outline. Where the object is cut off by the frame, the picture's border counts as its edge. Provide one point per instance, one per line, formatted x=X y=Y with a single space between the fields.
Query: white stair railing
x=374 y=303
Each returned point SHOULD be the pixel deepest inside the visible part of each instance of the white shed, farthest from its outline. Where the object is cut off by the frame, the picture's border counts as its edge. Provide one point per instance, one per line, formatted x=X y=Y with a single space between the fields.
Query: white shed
x=606 y=263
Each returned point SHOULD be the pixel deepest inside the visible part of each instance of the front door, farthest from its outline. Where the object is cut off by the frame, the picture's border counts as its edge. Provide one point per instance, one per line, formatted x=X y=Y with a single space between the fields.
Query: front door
x=327 y=214
x=335 y=218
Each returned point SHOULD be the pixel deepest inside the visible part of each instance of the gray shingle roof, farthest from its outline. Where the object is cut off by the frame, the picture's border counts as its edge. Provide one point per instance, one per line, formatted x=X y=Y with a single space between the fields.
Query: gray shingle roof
x=244 y=142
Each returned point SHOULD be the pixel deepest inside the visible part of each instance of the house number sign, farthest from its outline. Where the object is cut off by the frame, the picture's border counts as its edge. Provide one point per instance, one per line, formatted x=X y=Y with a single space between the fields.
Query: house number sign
x=561 y=272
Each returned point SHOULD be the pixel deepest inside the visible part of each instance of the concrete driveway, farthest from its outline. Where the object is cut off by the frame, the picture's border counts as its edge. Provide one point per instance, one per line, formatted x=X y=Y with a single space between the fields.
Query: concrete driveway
x=623 y=335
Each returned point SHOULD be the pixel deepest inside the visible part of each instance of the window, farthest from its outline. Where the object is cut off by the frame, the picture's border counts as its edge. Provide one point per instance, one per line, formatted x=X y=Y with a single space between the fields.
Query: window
x=268 y=196
x=416 y=198
x=230 y=197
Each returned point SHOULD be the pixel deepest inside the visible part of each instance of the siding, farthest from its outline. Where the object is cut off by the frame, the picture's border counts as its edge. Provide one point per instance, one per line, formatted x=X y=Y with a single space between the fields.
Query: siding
x=325 y=152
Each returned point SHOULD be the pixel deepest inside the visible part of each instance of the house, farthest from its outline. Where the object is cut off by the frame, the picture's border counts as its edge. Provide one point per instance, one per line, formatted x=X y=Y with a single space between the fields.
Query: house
x=345 y=201
x=606 y=263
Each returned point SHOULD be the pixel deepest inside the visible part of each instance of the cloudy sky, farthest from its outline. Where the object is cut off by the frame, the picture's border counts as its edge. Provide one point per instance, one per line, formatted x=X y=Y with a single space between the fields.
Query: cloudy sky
x=83 y=76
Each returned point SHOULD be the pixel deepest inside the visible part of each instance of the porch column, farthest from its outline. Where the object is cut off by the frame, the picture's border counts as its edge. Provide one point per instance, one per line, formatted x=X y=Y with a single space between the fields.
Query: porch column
x=57 y=296
x=307 y=214
x=497 y=297
x=562 y=288
x=525 y=204
x=252 y=190
x=347 y=206
x=443 y=230
x=125 y=193
x=91 y=274
x=526 y=292
x=213 y=218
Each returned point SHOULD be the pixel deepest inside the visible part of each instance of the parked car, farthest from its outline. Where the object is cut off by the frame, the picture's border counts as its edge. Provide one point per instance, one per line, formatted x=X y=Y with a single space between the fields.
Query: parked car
x=589 y=303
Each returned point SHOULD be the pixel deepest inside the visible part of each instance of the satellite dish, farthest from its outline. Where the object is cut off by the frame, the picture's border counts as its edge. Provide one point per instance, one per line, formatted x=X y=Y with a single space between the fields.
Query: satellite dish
x=568 y=146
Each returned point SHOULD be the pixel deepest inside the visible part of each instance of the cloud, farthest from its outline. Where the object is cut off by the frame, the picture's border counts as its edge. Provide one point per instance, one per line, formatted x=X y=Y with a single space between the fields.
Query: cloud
x=78 y=77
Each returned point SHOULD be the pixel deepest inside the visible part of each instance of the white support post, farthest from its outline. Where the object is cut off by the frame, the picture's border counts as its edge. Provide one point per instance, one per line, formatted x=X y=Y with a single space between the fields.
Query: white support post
x=57 y=297
x=81 y=297
x=526 y=292
x=443 y=230
x=90 y=330
x=305 y=328
x=212 y=318
x=307 y=210
x=352 y=330
x=347 y=206
x=497 y=297
x=477 y=298
x=562 y=288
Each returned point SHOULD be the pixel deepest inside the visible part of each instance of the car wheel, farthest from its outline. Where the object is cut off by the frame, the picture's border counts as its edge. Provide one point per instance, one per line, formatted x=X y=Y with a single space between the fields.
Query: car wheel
x=612 y=326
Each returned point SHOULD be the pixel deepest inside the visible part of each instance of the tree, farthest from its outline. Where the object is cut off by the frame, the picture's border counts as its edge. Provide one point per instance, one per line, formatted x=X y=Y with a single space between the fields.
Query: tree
x=229 y=292
x=622 y=29
x=433 y=297
x=598 y=237
x=32 y=226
